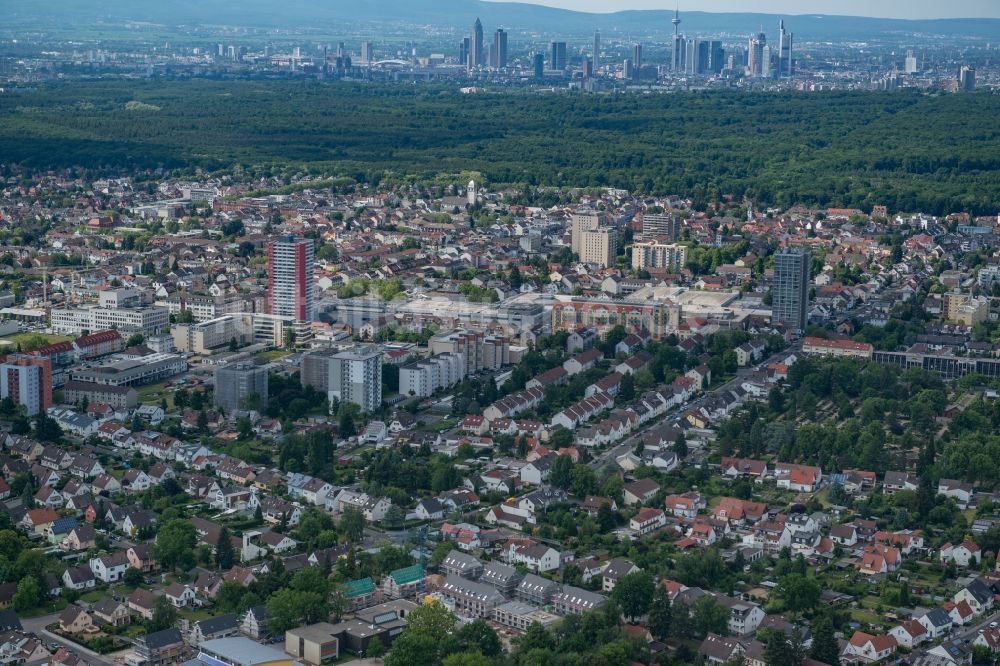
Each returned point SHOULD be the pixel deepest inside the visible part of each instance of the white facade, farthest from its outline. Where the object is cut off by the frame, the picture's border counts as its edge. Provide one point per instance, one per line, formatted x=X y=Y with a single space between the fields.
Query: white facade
x=357 y=377
x=424 y=377
x=77 y=321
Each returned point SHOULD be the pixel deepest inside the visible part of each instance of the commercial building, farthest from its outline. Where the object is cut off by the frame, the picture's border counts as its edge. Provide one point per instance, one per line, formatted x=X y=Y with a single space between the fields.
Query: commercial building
x=583 y=221
x=967 y=79
x=27 y=380
x=245 y=328
x=479 y=351
x=790 y=292
x=557 y=56
x=651 y=254
x=119 y=397
x=499 y=51
x=77 y=321
x=290 y=278
x=422 y=378
x=233 y=383
x=477 y=51
x=314 y=644
x=602 y=316
x=240 y=651
x=599 y=247
x=756 y=53
x=147 y=369
x=661 y=225
x=356 y=376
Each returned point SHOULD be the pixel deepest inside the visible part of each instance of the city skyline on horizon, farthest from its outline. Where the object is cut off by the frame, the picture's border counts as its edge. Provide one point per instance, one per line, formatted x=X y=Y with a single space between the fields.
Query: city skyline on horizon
x=889 y=9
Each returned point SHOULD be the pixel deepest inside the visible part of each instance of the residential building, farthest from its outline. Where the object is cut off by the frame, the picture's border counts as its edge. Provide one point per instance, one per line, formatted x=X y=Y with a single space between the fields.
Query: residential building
x=238 y=383
x=356 y=377
x=290 y=278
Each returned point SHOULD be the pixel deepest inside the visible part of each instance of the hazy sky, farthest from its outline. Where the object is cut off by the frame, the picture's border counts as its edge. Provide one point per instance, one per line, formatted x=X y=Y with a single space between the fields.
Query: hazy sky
x=912 y=9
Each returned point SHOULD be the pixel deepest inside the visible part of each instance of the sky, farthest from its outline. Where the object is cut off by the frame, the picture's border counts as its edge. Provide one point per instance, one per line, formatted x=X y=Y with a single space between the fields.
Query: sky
x=908 y=9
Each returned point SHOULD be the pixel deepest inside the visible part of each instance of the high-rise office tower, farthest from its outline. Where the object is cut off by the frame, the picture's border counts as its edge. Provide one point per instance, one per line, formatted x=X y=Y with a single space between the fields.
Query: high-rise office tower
x=557 y=56
x=476 y=46
x=637 y=56
x=463 y=51
x=691 y=56
x=584 y=221
x=910 y=67
x=499 y=49
x=539 y=65
x=967 y=79
x=290 y=278
x=597 y=51
x=656 y=225
x=716 y=57
x=235 y=382
x=756 y=67
x=628 y=69
x=790 y=292
x=587 y=68
x=367 y=52
x=356 y=376
x=599 y=247
x=676 y=54
x=786 y=67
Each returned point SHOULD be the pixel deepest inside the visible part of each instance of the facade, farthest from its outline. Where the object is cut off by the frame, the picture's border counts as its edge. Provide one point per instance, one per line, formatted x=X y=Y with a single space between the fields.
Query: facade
x=557 y=56
x=499 y=51
x=582 y=222
x=77 y=321
x=651 y=254
x=245 y=328
x=602 y=316
x=134 y=371
x=599 y=247
x=313 y=644
x=661 y=225
x=477 y=50
x=119 y=397
x=27 y=380
x=356 y=376
x=234 y=382
x=478 y=350
x=422 y=378
x=790 y=293
x=290 y=278
x=476 y=599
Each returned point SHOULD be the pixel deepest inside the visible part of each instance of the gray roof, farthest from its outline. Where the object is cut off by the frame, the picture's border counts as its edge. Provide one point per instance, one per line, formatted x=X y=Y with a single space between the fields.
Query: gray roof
x=533 y=584
x=498 y=574
x=243 y=651
x=461 y=561
x=214 y=625
x=161 y=639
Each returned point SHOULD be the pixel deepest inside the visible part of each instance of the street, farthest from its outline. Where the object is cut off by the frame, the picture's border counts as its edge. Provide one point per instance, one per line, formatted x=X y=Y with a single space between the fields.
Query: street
x=36 y=625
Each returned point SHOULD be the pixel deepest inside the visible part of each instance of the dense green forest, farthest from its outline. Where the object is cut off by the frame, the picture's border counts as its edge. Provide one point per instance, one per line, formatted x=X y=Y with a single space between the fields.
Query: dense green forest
x=908 y=150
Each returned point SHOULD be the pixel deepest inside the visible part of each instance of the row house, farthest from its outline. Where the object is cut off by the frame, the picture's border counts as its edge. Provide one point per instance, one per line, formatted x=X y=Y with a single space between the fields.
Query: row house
x=476 y=599
x=515 y=403
x=583 y=411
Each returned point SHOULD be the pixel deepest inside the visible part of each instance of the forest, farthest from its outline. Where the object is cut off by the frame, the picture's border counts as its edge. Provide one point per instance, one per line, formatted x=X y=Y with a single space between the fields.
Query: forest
x=911 y=151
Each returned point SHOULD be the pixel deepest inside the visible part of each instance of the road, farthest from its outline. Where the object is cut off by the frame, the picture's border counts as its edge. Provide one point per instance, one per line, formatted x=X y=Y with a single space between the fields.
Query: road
x=629 y=442
x=36 y=625
x=970 y=633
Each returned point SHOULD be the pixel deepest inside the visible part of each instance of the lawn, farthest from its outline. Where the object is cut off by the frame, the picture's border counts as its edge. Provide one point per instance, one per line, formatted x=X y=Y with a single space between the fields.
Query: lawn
x=32 y=340
x=153 y=393
x=274 y=354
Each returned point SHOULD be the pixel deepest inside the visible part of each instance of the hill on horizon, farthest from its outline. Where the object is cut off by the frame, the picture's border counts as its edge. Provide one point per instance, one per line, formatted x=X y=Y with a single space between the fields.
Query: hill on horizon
x=459 y=14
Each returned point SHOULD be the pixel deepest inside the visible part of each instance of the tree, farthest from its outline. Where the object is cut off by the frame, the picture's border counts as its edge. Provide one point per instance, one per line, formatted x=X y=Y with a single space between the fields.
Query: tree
x=132 y=577
x=175 y=543
x=824 y=646
x=478 y=636
x=352 y=524
x=229 y=596
x=164 y=615
x=710 y=617
x=244 y=428
x=202 y=422
x=225 y=554
x=626 y=392
x=515 y=278
x=46 y=429
x=659 y=614
x=780 y=650
x=135 y=340
x=467 y=659
x=561 y=472
x=634 y=593
x=427 y=638
x=288 y=608
x=606 y=517
x=394 y=517
x=28 y=595
x=797 y=592
x=376 y=648
x=441 y=552
x=680 y=446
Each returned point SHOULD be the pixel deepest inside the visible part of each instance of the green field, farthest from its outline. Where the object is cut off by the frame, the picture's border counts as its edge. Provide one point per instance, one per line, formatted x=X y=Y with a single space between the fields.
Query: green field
x=29 y=341
x=936 y=153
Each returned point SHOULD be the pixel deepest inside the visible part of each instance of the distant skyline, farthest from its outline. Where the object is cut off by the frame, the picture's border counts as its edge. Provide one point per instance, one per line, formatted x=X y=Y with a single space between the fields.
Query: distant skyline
x=900 y=9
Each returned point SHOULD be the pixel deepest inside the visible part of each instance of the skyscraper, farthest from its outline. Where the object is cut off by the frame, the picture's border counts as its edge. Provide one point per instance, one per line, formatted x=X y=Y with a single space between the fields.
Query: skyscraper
x=557 y=56
x=367 y=52
x=790 y=293
x=27 y=381
x=655 y=225
x=356 y=376
x=476 y=46
x=716 y=57
x=584 y=221
x=463 y=51
x=785 y=63
x=236 y=381
x=539 y=65
x=676 y=55
x=756 y=67
x=599 y=247
x=637 y=56
x=597 y=51
x=290 y=278
x=911 y=63
x=967 y=79
x=499 y=49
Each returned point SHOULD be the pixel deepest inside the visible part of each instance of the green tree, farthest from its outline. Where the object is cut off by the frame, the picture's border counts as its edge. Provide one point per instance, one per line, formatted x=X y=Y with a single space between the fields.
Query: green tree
x=352 y=524
x=28 y=595
x=659 y=614
x=132 y=577
x=634 y=594
x=441 y=552
x=797 y=592
x=710 y=617
x=46 y=429
x=225 y=554
x=427 y=638
x=229 y=596
x=175 y=543
x=288 y=608
x=478 y=636
x=626 y=392
x=824 y=646
x=467 y=659
x=164 y=615
x=561 y=472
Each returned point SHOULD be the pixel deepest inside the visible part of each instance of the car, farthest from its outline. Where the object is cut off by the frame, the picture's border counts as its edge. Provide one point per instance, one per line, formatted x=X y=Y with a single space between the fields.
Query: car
x=54 y=647
x=994 y=625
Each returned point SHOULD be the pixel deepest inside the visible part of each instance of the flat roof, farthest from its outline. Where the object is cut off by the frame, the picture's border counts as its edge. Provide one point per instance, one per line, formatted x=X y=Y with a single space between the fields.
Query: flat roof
x=321 y=632
x=243 y=651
